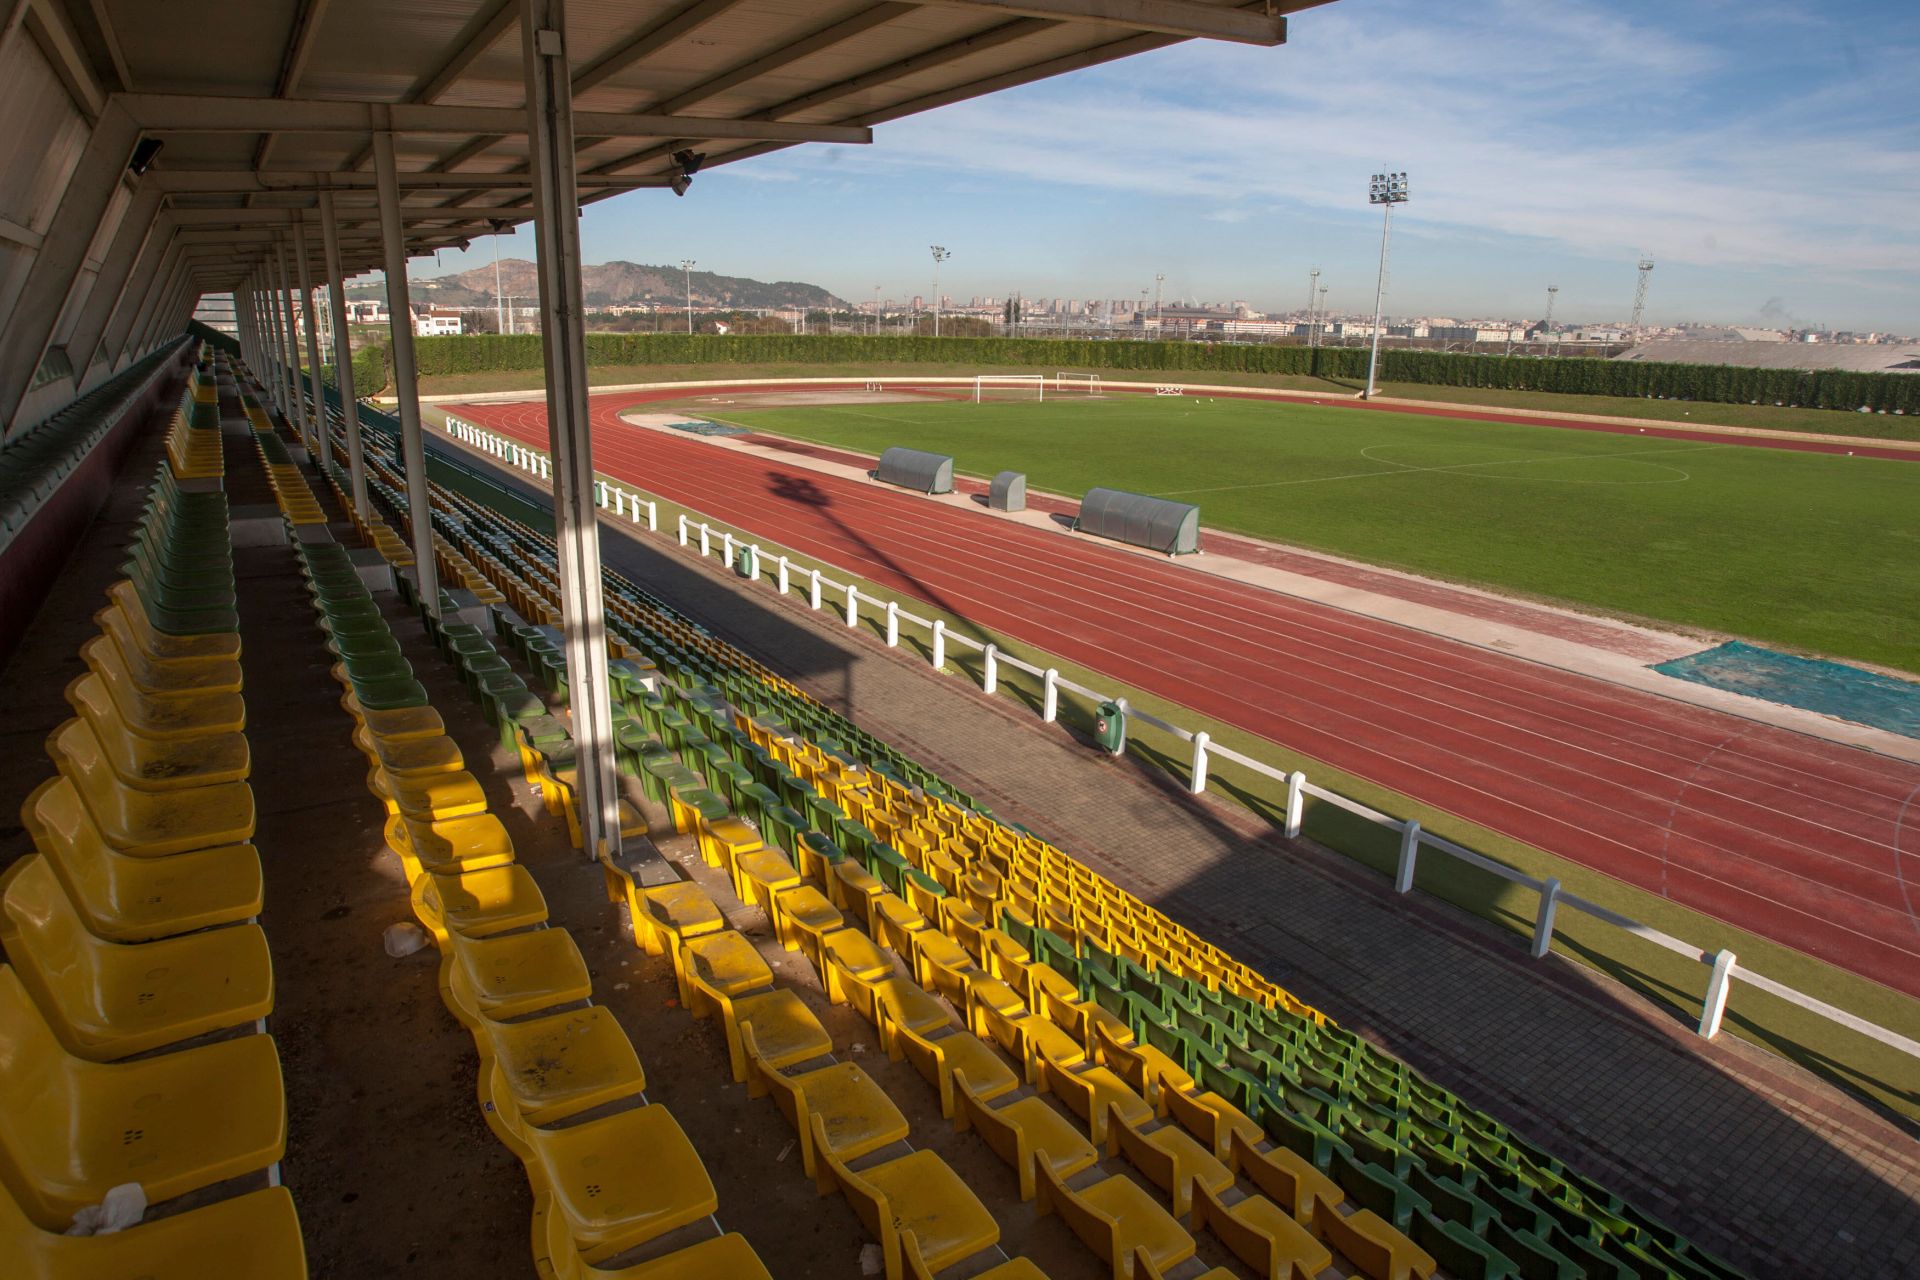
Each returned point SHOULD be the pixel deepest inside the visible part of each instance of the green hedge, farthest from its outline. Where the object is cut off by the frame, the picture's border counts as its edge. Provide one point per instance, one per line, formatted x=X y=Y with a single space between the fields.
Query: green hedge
x=369 y=372
x=1827 y=389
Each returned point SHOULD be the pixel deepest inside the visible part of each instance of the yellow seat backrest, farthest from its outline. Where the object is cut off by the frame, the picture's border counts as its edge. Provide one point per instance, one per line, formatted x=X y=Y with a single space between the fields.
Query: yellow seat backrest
x=33 y=1067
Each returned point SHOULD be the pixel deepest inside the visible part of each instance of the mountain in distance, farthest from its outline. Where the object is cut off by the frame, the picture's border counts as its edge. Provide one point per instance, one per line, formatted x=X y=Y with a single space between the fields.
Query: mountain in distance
x=612 y=284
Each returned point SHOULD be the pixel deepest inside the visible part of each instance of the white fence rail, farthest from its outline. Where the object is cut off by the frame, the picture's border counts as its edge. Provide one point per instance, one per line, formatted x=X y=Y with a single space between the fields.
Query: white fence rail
x=1414 y=841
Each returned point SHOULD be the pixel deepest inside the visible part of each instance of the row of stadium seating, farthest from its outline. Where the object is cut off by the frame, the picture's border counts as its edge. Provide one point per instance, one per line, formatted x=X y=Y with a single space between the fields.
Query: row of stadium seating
x=133 y=1047
x=604 y=1185
x=1471 y=1193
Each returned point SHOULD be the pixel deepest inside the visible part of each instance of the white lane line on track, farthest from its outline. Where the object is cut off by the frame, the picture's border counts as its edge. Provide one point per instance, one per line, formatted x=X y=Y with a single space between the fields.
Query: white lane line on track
x=1899 y=874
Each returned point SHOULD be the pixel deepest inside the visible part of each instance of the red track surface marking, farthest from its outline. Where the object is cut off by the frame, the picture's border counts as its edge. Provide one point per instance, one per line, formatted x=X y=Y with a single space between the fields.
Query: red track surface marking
x=1513 y=613
x=1783 y=834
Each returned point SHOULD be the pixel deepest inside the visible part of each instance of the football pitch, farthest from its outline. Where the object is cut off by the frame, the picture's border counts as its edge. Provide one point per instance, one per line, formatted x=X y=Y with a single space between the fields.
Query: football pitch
x=1814 y=552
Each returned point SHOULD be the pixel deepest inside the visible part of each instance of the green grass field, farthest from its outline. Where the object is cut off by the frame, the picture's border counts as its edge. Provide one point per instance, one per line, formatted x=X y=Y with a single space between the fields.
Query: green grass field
x=1814 y=552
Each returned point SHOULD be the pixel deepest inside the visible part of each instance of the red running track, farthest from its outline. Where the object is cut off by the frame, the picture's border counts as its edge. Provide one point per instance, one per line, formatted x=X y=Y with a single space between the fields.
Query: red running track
x=1787 y=835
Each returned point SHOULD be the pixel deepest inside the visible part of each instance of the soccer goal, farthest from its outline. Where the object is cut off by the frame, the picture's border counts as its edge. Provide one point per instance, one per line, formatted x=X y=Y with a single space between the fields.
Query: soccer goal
x=1077 y=384
x=1009 y=386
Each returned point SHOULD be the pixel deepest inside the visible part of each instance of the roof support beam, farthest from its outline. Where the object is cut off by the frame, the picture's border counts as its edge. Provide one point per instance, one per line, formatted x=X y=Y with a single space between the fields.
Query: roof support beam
x=188 y=113
x=644 y=44
x=153 y=256
x=1185 y=18
x=293 y=65
x=90 y=190
x=240 y=182
x=356 y=216
x=137 y=226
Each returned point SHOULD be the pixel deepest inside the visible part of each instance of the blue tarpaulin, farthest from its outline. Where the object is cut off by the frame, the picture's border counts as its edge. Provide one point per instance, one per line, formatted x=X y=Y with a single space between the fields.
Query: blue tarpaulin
x=1833 y=688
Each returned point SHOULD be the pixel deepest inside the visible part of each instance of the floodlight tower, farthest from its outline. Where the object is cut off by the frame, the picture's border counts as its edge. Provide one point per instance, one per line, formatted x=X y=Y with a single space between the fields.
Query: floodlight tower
x=1546 y=326
x=1640 y=297
x=940 y=255
x=1313 y=298
x=1386 y=190
x=1159 y=278
x=1321 y=323
x=687 y=265
x=876 y=311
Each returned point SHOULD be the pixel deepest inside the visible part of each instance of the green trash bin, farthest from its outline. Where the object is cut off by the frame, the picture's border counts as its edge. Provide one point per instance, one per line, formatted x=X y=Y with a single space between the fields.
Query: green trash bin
x=746 y=562
x=1110 y=727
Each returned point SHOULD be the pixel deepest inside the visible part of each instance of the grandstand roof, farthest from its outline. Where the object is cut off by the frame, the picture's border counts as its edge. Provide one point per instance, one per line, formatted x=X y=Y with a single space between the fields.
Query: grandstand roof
x=1852 y=357
x=286 y=100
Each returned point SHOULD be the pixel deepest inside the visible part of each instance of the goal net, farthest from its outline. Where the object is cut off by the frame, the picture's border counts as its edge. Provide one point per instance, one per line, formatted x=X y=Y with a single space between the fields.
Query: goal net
x=1009 y=386
x=1081 y=384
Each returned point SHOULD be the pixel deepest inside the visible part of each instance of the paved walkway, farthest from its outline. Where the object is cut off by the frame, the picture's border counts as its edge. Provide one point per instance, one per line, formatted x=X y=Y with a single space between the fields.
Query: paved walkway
x=1748 y=1155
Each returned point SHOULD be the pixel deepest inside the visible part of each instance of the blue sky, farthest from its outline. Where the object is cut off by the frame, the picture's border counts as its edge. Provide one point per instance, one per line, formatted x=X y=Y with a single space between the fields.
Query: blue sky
x=1765 y=155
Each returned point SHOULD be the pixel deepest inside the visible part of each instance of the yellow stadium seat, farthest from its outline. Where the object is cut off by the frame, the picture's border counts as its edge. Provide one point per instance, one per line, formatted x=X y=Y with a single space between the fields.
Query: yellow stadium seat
x=478 y=903
x=517 y=973
x=1022 y=1131
x=149 y=824
x=894 y=922
x=1115 y=1217
x=784 y=1029
x=803 y=919
x=255 y=1236
x=1169 y=1157
x=727 y=1257
x=1011 y=1269
x=157 y=764
x=760 y=875
x=850 y=955
x=941 y=964
x=127 y=617
x=396 y=723
x=1372 y=1244
x=1091 y=1093
x=723 y=961
x=665 y=916
x=920 y=1193
x=938 y=1059
x=618 y=1180
x=1285 y=1176
x=857 y=1115
x=452 y=845
x=127 y=899
x=172 y=1123
x=436 y=797
x=556 y=1065
x=413 y=755
x=1262 y=1235
x=170 y=680
x=107 y=1000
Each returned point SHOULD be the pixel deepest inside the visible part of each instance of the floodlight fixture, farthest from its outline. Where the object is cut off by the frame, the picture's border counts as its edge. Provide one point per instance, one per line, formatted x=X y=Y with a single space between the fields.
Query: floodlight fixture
x=940 y=255
x=144 y=152
x=1386 y=190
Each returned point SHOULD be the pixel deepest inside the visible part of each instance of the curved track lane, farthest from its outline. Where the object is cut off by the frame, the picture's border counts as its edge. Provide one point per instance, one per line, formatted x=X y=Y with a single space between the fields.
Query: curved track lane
x=1795 y=838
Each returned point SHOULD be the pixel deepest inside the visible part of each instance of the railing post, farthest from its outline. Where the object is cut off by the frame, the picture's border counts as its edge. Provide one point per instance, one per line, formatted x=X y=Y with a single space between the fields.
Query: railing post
x=1197 y=773
x=853 y=605
x=755 y=548
x=893 y=624
x=653 y=517
x=1050 y=696
x=783 y=574
x=990 y=678
x=546 y=467
x=683 y=529
x=1296 y=803
x=1409 y=856
x=1718 y=987
x=633 y=509
x=815 y=595
x=706 y=542
x=726 y=549
x=939 y=643
x=1543 y=923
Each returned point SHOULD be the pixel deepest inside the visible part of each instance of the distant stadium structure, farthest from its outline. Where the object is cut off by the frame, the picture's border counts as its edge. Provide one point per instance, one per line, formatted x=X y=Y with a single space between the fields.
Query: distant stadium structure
x=1810 y=356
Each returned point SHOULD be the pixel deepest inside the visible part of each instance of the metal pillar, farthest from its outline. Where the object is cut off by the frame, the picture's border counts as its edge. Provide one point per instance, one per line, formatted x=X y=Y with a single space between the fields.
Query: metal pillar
x=140 y=339
x=406 y=388
x=155 y=260
x=276 y=369
x=1379 y=295
x=576 y=529
x=56 y=266
x=321 y=446
x=343 y=353
x=283 y=294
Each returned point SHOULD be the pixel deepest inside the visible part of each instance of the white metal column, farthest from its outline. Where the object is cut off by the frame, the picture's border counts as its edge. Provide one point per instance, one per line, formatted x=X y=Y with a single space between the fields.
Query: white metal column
x=576 y=529
x=63 y=250
x=343 y=353
x=276 y=369
x=283 y=294
x=155 y=261
x=320 y=446
x=405 y=386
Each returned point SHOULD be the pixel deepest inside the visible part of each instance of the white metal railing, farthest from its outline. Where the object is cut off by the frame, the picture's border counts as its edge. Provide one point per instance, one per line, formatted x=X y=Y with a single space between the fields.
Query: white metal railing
x=607 y=494
x=1414 y=840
